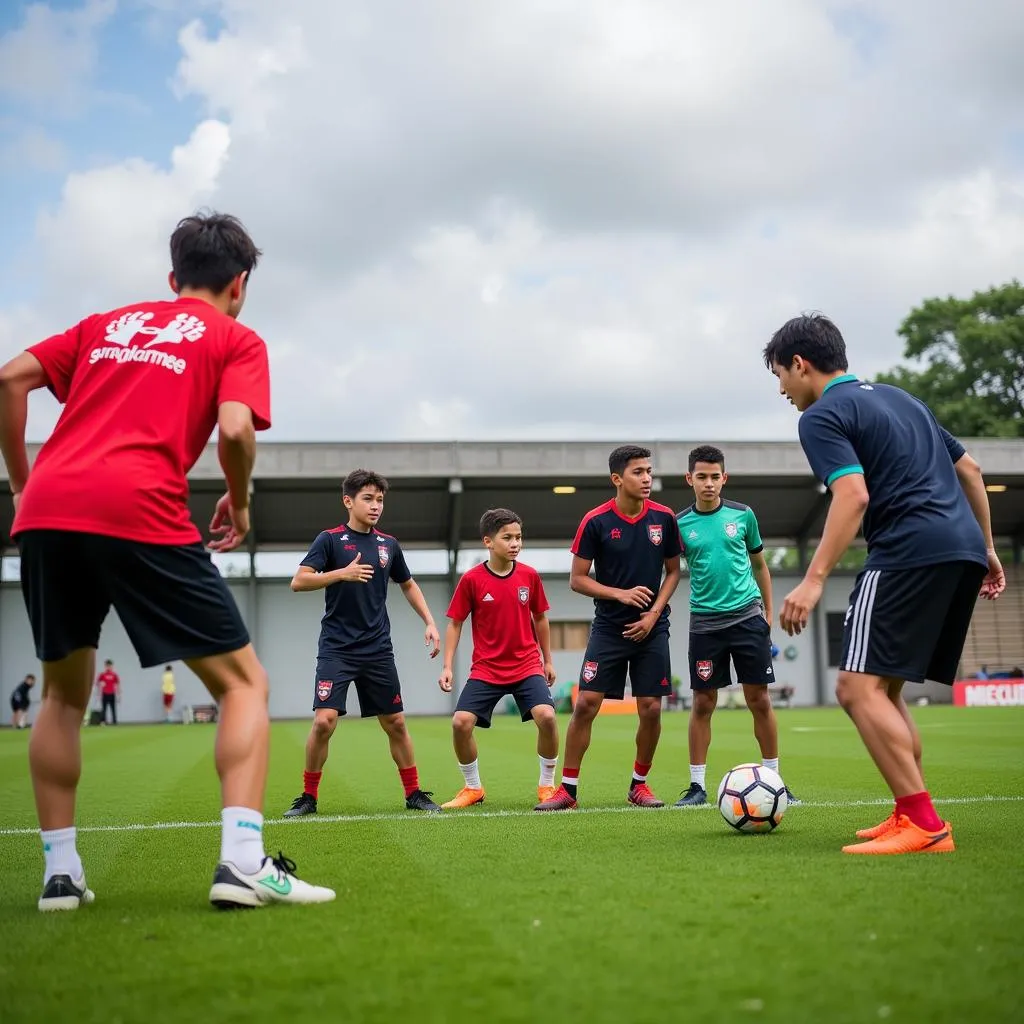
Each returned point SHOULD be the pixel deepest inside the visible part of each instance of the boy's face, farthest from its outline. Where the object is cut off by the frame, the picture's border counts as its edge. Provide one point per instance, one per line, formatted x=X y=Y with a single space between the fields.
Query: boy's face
x=707 y=480
x=795 y=383
x=507 y=542
x=635 y=481
x=366 y=507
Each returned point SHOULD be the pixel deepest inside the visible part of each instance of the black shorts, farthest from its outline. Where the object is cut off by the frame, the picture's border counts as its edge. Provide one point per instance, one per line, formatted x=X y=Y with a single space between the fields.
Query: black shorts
x=377 y=686
x=610 y=655
x=747 y=643
x=911 y=623
x=173 y=602
x=19 y=705
x=480 y=698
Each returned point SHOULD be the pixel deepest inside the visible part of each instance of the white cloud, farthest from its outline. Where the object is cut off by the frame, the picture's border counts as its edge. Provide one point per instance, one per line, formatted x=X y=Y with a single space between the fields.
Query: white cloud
x=543 y=225
x=32 y=149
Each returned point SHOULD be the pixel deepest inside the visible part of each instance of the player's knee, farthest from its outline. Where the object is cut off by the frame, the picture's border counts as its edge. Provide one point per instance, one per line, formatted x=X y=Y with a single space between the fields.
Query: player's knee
x=649 y=708
x=704 y=703
x=544 y=716
x=463 y=722
x=758 y=701
x=393 y=725
x=849 y=691
x=324 y=726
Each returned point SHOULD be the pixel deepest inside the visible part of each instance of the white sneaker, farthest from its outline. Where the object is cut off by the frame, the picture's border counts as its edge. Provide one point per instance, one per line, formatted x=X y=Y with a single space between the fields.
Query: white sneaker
x=274 y=882
x=62 y=892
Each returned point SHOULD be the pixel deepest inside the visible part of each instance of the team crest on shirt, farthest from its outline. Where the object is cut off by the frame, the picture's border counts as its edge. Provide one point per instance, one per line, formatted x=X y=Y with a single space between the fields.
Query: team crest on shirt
x=654 y=532
x=590 y=671
x=383 y=555
x=730 y=529
x=704 y=669
x=323 y=689
x=524 y=595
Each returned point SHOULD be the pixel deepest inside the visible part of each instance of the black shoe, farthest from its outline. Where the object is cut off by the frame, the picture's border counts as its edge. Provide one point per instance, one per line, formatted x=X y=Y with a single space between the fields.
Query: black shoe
x=791 y=800
x=61 y=893
x=693 y=797
x=420 y=801
x=304 y=804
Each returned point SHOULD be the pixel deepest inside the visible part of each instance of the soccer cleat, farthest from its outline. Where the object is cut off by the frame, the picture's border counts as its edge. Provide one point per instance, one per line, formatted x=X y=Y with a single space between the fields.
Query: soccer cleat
x=545 y=793
x=558 y=801
x=641 y=795
x=879 y=830
x=61 y=892
x=466 y=797
x=693 y=797
x=791 y=800
x=304 y=804
x=906 y=837
x=420 y=801
x=274 y=882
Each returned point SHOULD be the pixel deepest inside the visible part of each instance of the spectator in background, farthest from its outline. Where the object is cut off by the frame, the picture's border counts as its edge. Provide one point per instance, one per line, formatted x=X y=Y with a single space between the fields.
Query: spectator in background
x=168 y=690
x=20 y=701
x=109 y=685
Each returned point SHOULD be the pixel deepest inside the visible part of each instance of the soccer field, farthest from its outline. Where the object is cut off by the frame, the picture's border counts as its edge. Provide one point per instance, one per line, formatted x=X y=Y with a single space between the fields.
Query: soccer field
x=610 y=913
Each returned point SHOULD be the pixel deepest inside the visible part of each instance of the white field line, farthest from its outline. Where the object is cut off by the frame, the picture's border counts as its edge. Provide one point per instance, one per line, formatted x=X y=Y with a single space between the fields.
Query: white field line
x=412 y=816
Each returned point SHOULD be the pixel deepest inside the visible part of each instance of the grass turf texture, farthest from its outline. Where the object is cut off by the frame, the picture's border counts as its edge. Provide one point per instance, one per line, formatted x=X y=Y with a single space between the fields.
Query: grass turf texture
x=618 y=914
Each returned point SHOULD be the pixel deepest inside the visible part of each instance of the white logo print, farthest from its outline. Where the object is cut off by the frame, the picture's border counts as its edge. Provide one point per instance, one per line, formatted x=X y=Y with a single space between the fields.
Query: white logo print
x=128 y=327
x=693 y=535
x=730 y=529
x=487 y=597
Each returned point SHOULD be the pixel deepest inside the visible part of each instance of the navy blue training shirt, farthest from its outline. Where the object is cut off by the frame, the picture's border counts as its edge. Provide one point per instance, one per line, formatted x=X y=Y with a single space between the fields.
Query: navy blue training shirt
x=355 y=623
x=917 y=511
x=627 y=552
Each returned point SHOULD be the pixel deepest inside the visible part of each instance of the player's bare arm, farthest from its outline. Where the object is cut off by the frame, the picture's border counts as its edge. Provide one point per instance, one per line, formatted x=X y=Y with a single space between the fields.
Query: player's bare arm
x=236 y=449
x=306 y=578
x=638 y=630
x=763 y=579
x=18 y=378
x=418 y=602
x=543 y=628
x=452 y=636
x=972 y=482
x=581 y=582
x=849 y=503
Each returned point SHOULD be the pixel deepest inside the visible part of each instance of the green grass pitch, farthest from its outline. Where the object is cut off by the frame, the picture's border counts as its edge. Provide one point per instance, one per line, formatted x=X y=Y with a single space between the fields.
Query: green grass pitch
x=612 y=914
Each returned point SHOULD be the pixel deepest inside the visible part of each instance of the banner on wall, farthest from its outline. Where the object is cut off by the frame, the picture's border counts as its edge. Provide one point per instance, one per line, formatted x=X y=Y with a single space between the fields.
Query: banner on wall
x=988 y=693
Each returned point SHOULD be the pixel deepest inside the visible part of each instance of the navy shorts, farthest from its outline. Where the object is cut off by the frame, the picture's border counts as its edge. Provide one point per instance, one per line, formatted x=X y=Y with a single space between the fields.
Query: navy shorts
x=19 y=705
x=610 y=655
x=376 y=682
x=171 y=598
x=480 y=698
x=748 y=644
x=911 y=624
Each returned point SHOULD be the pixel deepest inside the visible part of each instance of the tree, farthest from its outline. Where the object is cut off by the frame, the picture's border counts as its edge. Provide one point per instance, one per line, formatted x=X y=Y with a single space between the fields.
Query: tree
x=973 y=351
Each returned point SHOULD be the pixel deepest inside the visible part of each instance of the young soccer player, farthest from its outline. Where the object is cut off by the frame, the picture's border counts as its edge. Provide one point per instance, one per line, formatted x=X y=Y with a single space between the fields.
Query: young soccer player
x=922 y=501
x=20 y=701
x=167 y=691
x=634 y=545
x=108 y=682
x=730 y=614
x=353 y=565
x=102 y=519
x=511 y=652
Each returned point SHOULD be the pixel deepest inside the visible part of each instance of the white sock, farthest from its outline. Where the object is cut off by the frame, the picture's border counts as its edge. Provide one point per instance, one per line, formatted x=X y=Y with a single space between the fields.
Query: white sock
x=697 y=773
x=547 y=770
x=771 y=762
x=61 y=854
x=241 y=838
x=471 y=773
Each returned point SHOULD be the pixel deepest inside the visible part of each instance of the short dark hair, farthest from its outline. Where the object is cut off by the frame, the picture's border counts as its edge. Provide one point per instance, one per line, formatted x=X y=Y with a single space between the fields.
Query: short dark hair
x=109 y=661
x=209 y=250
x=707 y=453
x=811 y=335
x=166 y=667
x=624 y=455
x=31 y=676
x=495 y=518
x=359 y=479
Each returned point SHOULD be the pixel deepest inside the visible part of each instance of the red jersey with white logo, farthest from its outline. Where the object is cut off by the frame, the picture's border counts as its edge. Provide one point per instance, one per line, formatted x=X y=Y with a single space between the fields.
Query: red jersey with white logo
x=141 y=388
x=505 y=647
x=108 y=681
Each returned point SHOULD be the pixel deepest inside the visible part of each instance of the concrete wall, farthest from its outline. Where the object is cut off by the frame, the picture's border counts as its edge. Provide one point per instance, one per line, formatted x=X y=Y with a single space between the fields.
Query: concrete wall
x=287 y=625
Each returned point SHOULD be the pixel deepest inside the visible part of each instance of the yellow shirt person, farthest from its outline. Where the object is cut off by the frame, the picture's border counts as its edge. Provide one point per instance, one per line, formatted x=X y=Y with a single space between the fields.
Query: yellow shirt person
x=167 y=687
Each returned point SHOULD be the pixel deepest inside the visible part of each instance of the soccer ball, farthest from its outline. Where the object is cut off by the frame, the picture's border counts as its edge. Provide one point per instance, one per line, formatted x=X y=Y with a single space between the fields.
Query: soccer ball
x=752 y=798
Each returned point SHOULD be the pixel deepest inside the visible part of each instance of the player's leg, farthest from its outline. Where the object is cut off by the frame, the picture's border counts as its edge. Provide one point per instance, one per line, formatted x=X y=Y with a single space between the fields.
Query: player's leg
x=649 y=673
x=176 y=606
x=708 y=662
x=533 y=699
x=475 y=706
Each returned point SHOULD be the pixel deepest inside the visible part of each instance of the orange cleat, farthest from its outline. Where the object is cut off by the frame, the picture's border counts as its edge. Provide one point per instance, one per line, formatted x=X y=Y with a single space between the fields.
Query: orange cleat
x=879 y=830
x=545 y=793
x=558 y=801
x=906 y=837
x=466 y=797
x=642 y=796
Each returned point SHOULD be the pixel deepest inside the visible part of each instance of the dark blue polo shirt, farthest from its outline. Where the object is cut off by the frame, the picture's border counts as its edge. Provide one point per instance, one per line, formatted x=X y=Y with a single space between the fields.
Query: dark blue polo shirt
x=917 y=511
x=355 y=625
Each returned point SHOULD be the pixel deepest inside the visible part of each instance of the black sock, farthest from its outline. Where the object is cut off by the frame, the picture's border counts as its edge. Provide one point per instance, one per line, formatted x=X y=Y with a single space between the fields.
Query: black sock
x=570 y=788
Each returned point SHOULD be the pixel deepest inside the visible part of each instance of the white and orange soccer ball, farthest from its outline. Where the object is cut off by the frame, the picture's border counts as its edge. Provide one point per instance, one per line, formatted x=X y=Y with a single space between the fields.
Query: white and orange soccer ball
x=752 y=798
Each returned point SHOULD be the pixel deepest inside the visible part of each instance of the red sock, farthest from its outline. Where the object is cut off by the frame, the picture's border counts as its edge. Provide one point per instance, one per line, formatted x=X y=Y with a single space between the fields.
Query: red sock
x=918 y=808
x=410 y=779
x=640 y=771
x=311 y=783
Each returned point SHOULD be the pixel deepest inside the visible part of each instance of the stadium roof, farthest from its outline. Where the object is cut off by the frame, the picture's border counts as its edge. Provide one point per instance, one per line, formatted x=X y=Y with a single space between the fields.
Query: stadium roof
x=439 y=489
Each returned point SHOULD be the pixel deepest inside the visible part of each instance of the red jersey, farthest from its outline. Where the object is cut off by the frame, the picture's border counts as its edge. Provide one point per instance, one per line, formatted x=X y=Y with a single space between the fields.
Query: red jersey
x=108 y=681
x=141 y=388
x=505 y=648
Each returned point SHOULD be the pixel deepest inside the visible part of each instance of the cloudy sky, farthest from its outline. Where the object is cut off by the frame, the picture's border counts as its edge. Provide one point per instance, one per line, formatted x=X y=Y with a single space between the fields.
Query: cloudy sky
x=481 y=219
